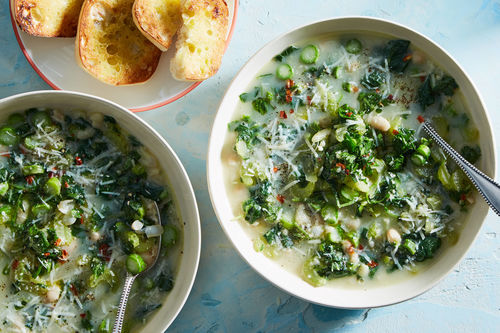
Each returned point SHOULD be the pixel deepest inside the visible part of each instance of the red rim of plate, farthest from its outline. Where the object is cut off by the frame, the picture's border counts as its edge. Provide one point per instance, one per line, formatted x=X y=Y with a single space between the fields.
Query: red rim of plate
x=145 y=108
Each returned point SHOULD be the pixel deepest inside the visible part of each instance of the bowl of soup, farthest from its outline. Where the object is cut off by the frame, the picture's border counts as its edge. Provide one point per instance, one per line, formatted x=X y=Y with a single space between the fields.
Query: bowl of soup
x=81 y=178
x=320 y=173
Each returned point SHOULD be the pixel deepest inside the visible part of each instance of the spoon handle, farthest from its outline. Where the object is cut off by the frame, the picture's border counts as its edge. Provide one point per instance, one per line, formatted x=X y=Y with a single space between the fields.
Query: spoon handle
x=487 y=187
x=129 y=280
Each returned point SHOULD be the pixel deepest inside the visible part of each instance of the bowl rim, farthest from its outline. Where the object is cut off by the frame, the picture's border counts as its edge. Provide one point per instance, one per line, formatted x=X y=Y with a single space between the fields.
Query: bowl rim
x=191 y=194
x=149 y=107
x=214 y=155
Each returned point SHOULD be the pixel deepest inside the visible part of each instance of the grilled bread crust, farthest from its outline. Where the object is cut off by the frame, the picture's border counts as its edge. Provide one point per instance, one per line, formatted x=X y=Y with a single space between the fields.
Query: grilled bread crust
x=110 y=47
x=47 y=18
x=158 y=20
x=201 y=40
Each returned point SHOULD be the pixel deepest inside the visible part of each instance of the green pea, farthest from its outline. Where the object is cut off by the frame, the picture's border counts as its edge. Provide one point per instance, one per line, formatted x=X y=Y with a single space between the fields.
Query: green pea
x=41 y=118
x=418 y=159
x=135 y=264
x=170 y=235
x=424 y=150
x=8 y=137
x=53 y=186
x=40 y=209
x=4 y=187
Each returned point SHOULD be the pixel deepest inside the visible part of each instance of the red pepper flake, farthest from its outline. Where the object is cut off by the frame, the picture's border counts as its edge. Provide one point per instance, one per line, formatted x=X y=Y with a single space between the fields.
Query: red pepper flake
x=288 y=98
x=395 y=132
x=15 y=264
x=291 y=111
x=64 y=254
x=66 y=184
x=275 y=169
x=407 y=58
x=340 y=165
x=348 y=114
x=51 y=174
x=283 y=114
x=422 y=78
x=355 y=89
x=5 y=154
x=390 y=97
x=372 y=264
x=361 y=247
x=309 y=99
x=58 y=242
x=463 y=197
x=46 y=254
x=30 y=179
x=280 y=198
x=105 y=251
x=81 y=220
x=289 y=84
x=420 y=119
x=350 y=250
x=82 y=315
x=73 y=289
x=78 y=160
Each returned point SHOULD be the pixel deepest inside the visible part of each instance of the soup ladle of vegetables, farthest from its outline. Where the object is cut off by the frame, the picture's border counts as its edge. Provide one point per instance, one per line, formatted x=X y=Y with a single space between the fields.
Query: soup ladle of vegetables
x=137 y=263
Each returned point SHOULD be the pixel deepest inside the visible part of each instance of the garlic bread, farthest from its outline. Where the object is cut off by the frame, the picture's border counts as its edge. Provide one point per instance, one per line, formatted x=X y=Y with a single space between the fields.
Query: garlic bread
x=110 y=47
x=158 y=20
x=47 y=18
x=201 y=40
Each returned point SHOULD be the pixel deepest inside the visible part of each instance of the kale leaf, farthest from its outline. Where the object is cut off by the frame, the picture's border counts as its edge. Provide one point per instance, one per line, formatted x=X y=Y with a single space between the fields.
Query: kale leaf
x=333 y=263
x=247 y=130
x=373 y=80
x=404 y=141
x=275 y=235
x=427 y=92
x=471 y=153
x=371 y=101
x=285 y=53
x=396 y=53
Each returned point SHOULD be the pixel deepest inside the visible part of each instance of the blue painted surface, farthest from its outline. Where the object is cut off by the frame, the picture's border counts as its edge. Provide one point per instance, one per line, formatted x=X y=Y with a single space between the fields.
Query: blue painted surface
x=228 y=296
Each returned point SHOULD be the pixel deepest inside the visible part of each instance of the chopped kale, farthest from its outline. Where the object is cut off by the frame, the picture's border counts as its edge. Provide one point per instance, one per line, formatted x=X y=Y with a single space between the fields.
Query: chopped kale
x=428 y=92
x=247 y=130
x=373 y=80
x=404 y=141
x=285 y=53
x=396 y=53
x=371 y=101
x=333 y=263
x=471 y=153
x=276 y=235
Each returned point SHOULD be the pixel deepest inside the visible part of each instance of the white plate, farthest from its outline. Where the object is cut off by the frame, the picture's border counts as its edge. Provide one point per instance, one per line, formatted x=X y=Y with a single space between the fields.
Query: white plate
x=54 y=60
x=334 y=295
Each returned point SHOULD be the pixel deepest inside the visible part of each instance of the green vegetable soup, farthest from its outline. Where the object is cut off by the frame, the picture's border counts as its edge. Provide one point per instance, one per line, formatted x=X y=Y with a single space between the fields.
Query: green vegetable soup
x=77 y=197
x=329 y=169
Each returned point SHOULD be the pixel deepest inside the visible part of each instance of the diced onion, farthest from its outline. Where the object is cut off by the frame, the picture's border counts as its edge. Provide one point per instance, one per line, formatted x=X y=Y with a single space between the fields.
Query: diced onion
x=153 y=230
x=65 y=206
x=137 y=225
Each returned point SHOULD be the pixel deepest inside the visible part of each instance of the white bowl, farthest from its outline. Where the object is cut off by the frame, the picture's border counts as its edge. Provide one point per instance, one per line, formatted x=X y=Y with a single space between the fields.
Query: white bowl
x=331 y=295
x=178 y=181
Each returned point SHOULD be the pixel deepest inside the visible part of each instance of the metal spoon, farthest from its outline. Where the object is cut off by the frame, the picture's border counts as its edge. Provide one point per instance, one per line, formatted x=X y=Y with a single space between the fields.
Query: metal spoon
x=487 y=187
x=129 y=281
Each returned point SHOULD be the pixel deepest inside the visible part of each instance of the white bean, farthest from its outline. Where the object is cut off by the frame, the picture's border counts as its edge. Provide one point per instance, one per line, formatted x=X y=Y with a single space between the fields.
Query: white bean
x=380 y=123
x=96 y=119
x=363 y=270
x=393 y=236
x=53 y=294
x=95 y=236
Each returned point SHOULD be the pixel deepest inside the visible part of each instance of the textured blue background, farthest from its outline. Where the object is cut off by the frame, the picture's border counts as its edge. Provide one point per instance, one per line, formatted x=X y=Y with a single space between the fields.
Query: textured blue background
x=228 y=296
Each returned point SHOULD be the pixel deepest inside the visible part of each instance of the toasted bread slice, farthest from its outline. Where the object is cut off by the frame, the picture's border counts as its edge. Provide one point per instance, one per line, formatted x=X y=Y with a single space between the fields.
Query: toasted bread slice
x=158 y=20
x=201 y=40
x=110 y=47
x=47 y=18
